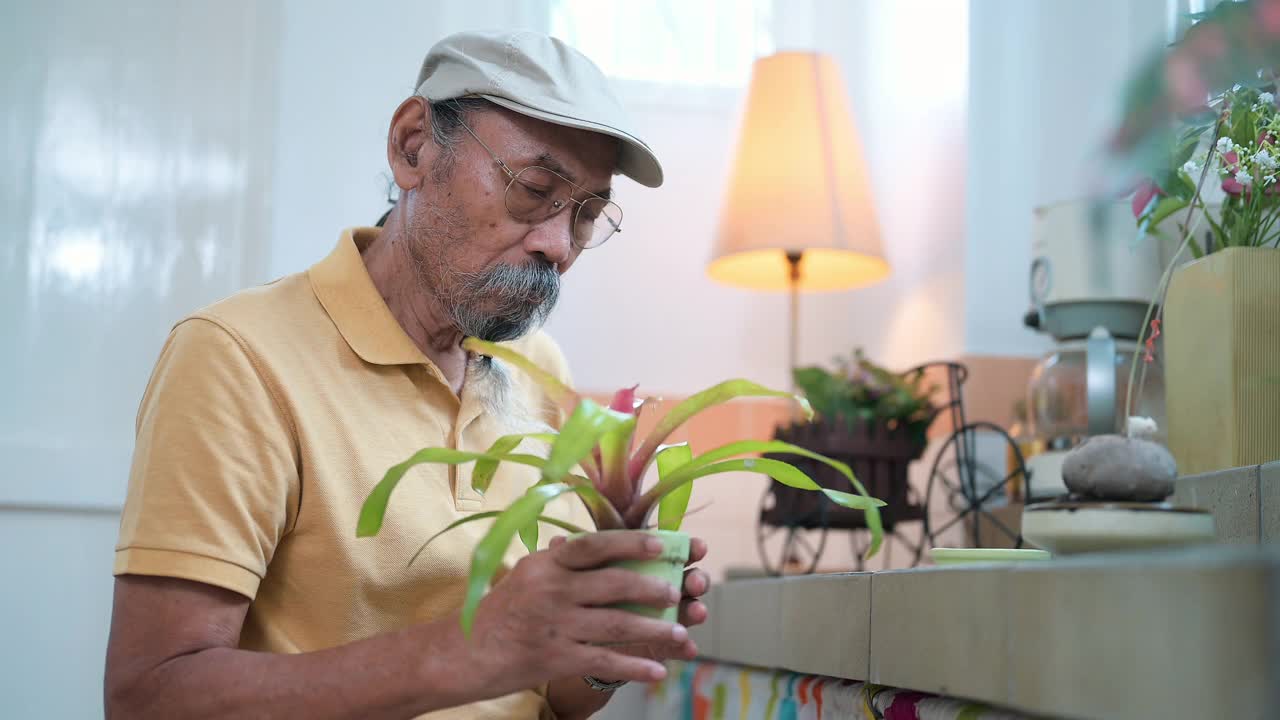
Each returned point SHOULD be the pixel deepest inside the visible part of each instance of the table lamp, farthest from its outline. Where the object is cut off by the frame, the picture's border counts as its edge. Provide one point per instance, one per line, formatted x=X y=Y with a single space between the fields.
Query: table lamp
x=799 y=213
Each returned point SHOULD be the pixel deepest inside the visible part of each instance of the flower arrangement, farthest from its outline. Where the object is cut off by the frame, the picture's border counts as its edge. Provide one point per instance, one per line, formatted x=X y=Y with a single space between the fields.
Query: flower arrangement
x=594 y=456
x=1244 y=159
x=1206 y=107
x=861 y=390
x=1181 y=92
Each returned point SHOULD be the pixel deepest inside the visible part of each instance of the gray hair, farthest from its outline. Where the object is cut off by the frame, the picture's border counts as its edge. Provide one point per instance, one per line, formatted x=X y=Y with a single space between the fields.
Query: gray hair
x=504 y=302
x=447 y=117
x=495 y=388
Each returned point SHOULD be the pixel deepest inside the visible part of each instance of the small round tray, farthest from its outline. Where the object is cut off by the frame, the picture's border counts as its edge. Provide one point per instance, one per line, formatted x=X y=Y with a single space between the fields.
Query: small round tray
x=965 y=556
x=1069 y=528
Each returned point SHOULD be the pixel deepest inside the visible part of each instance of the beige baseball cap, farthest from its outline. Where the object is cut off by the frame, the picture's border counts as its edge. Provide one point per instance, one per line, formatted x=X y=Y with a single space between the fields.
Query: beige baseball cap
x=539 y=76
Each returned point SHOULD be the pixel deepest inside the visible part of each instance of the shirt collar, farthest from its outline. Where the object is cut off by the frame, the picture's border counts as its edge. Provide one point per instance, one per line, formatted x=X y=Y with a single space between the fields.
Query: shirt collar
x=342 y=284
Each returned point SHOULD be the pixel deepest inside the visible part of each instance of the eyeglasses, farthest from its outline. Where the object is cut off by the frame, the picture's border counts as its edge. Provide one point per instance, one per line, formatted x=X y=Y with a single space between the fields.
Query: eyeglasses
x=537 y=193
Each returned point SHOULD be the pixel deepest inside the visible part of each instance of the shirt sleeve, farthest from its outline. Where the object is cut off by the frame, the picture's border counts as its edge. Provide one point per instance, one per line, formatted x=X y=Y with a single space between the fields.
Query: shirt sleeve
x=214 y=484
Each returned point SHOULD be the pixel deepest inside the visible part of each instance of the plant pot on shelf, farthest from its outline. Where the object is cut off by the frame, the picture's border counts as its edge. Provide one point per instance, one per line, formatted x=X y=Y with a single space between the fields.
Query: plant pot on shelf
x=879 y=457
x=1222 y=360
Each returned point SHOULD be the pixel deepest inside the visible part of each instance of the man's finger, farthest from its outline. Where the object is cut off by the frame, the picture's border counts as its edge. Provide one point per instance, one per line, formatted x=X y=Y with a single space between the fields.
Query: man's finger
x=603 y=662
x=697 y=550
x=696 y=583
x=602 y=626
x=598 y=549
x=609 y=586
x=693 y=612
x=685 y=650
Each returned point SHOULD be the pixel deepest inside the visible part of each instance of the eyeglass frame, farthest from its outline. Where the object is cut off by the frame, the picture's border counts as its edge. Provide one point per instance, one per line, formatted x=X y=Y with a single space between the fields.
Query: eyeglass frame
x=617 y=228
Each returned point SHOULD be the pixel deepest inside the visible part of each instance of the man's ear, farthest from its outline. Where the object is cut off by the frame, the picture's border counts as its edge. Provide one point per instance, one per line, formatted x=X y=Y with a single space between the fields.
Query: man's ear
x=410 y=150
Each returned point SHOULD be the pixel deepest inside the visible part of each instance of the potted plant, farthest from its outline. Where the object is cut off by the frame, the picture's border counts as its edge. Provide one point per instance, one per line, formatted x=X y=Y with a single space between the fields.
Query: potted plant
x=595 y=456
x=860 y=392
x=870 y=418
x=1202 y=120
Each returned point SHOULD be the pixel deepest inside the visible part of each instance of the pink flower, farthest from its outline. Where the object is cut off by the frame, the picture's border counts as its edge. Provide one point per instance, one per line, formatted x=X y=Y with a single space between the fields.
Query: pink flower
x=1206 y=41
x=1187 y=87
x=624 y=401
x=1268 y=16
x=1231 y=186
x=1147 y=189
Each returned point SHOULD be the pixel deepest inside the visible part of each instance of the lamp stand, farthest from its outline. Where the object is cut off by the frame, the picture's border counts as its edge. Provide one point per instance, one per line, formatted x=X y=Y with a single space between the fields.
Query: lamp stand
x=793 y=289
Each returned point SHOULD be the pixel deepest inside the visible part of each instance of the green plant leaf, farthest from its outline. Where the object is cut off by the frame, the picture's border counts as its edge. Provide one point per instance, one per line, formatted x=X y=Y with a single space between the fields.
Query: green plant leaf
x=615 y=447
x=559 y=392
x=1219 y=234
x=567 y=526
x=1244 y=130
x=784 y=473
x=489 y=552
x=374 y=509
x=1163 y=209
x=579 y=435
x=695 y=404
x=485 y=468
x=601 y=510
x=1187 y=142
x=824 y=390
x=672 y=506
x=529 y=536
x=742 y=447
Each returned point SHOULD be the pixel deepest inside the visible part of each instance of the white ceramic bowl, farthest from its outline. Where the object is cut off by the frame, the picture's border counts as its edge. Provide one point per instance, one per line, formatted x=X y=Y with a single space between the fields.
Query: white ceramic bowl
x=1068 y=528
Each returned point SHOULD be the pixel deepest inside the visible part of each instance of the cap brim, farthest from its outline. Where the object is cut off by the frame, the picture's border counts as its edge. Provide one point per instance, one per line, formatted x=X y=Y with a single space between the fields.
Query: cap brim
x=635 y=160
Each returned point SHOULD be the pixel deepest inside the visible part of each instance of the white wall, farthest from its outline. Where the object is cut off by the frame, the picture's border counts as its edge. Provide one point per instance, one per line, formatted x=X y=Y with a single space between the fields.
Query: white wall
x=1044 y=80
x=132 y=191
x=343 y=68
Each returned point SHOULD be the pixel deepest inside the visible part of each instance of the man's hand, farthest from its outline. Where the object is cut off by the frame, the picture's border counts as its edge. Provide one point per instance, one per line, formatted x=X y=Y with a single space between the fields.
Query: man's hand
x=570 y=697
x=692 y=610
x=548 y=618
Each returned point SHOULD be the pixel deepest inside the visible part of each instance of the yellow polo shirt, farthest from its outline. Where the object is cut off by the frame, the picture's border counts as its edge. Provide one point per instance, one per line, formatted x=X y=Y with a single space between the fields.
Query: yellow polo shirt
x=267 y=420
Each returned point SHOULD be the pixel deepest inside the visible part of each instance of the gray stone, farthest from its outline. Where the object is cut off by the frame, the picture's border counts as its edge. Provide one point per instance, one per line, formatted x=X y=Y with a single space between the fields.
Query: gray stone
x=1112 y=467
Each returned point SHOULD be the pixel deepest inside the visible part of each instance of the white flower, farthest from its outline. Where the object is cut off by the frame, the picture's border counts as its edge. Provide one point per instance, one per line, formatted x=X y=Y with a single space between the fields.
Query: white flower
x=1224 y=145
x=1267 y=98
x=1190 y=167
x=1268 y=180
x=1264 y=160
x=1244 y=178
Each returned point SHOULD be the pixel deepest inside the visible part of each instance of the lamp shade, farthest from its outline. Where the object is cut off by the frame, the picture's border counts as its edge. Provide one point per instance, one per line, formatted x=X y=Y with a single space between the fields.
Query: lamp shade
x=799 y=185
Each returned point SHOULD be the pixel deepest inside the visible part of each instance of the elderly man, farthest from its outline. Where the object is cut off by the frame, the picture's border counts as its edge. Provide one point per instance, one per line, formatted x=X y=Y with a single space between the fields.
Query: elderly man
x=241 y=588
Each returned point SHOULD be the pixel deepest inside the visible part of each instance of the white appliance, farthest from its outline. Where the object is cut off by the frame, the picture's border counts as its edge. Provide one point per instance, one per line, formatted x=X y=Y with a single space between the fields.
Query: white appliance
x=1092 y=275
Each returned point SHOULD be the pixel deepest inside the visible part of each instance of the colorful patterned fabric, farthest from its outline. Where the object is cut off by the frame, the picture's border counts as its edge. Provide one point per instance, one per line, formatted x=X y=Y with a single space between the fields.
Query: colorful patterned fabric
x=715 y=691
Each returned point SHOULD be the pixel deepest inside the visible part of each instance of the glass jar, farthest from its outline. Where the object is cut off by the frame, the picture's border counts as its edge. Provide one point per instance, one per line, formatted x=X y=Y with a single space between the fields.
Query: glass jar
x=1057 y=394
